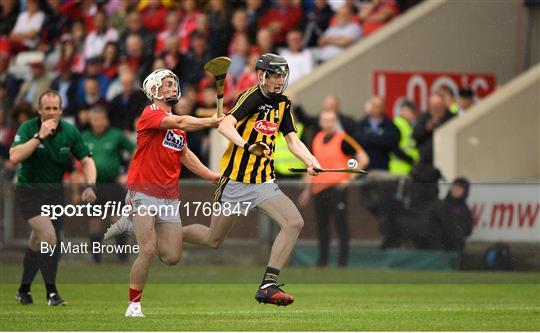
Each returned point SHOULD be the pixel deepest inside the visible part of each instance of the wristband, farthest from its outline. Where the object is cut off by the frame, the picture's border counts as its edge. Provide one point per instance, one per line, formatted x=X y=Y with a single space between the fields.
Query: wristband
x=92 y=186
x=246 y=146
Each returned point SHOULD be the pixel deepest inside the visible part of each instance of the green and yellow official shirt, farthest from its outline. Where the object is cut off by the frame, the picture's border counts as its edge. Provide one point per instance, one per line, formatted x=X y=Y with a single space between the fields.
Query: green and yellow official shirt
x=48 y=162
x=107 y=150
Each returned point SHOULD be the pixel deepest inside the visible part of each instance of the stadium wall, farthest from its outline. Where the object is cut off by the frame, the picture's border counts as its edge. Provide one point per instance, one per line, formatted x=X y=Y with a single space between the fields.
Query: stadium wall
x=439 y=36
x=498 y=138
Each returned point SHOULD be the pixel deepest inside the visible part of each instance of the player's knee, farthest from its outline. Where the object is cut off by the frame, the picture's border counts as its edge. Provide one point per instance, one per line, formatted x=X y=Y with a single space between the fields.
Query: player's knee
x=147 y=251
x=296 y=223
x=171 y=259
x=214 y=243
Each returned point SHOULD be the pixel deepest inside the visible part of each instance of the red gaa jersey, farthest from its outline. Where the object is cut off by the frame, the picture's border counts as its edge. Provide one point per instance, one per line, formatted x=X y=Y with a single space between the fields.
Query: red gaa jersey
x=155 y=168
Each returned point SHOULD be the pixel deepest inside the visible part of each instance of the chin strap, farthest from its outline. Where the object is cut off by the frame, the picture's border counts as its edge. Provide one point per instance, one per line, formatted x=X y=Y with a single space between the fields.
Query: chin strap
x=171 y=101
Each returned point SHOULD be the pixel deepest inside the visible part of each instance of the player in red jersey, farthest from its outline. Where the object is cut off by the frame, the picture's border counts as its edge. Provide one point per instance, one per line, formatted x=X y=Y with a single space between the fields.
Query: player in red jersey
x=153 y=179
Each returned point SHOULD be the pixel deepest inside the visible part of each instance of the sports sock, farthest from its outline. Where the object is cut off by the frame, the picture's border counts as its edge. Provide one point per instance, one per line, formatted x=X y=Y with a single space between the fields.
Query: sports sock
x=270 y=275
x=31 y=264
x=135 y=295
x=49 y=267
x=96 y=237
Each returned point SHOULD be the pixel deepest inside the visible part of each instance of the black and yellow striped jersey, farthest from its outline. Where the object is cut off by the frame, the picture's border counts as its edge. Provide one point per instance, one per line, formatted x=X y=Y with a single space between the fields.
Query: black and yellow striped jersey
x=259 y=118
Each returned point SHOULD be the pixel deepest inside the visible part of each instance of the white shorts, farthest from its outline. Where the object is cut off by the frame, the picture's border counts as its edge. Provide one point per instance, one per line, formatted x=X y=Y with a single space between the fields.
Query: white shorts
x=164 y=210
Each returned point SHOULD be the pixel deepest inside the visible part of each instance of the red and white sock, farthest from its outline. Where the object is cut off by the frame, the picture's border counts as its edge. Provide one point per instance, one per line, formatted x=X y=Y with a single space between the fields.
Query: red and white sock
x=135 y=295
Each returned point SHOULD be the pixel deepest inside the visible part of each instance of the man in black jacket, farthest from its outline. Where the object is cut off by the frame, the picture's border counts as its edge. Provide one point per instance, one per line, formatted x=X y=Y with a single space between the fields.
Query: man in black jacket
x=451 y=220
x=378 y=136
x=437 y=115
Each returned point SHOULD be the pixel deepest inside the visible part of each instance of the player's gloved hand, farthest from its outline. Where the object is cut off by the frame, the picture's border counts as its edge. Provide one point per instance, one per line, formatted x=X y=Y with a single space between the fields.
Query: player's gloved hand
x=258 y=148
x=89 y=194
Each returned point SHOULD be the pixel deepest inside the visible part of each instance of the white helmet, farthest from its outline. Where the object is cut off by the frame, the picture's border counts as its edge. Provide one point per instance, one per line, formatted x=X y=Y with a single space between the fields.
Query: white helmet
x=155 y=79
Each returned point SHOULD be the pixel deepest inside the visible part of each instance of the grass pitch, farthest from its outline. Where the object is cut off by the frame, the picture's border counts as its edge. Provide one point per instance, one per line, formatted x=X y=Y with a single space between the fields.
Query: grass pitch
x=192 y=298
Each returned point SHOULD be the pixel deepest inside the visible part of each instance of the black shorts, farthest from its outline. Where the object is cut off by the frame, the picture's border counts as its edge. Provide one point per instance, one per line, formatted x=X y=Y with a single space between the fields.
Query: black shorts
x=30 y=198
x=113 y=192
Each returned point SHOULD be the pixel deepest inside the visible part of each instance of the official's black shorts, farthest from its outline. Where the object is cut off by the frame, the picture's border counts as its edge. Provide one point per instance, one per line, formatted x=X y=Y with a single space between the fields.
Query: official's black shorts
x=30 y=198
x=113 y=192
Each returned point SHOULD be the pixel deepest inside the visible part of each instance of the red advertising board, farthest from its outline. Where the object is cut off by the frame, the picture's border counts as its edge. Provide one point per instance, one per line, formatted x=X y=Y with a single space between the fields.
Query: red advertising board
x=394 y=86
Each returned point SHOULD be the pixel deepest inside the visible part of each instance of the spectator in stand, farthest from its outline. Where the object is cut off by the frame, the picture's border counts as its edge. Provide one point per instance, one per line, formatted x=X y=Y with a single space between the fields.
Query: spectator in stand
x=376 y=13
x=316 y=22
x=66 y=83
x=345 y=123
x=11 y=84
x=379 y=136
x=25 y=33
x=9 y=11
x=94 y=69
x=92 y=98
x=172 y=29
x=465 y=101
x=426 y=125
x=83 y=11
x=240 y=25
x=340 y=35
x=201 y=25
x=153 y=15
x=118 y=12
x=255 y=9
x=123 y=109
x=97 y=39
x=55 y=25
x=188 y=24
x=265 y=42
x=37 y=83
x=405 y=122
x=449 y=98
x=451 y=220
x=139 y=60
x=219 y=18
x=76 y=38
x=196 y=58
x=282 y=17
x=300 y=59
x=70 y=55
x=135 y=27
x=171 y=54
x=111 y=60
x=240 y=56
x=249 y=76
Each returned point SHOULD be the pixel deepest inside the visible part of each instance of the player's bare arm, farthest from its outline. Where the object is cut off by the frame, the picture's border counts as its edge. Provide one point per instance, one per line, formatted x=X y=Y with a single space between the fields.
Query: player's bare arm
x=90 y=173
x=299 y=149
x=21 y=152
x=192 y=162
x=227 y=129
x=189 y=123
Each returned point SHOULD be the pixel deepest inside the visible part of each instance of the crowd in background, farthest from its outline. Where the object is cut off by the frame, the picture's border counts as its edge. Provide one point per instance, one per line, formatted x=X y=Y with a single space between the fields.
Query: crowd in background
x=97 y=53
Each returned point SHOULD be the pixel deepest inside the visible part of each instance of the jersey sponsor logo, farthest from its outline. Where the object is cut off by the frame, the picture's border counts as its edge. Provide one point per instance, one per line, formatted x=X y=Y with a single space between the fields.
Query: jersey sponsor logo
x=265 y=127
x=173 y=140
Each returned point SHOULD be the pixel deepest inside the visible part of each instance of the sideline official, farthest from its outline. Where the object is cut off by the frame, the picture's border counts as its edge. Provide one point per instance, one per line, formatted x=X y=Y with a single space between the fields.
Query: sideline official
x=43 y=146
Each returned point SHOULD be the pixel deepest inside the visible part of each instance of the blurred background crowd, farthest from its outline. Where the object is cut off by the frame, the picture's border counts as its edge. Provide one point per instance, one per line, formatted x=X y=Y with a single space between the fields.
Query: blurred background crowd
x=96 y=53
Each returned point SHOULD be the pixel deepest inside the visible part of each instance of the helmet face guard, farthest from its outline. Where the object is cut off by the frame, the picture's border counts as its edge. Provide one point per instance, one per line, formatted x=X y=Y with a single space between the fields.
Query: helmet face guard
x=273 y=64
x=155 y=79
